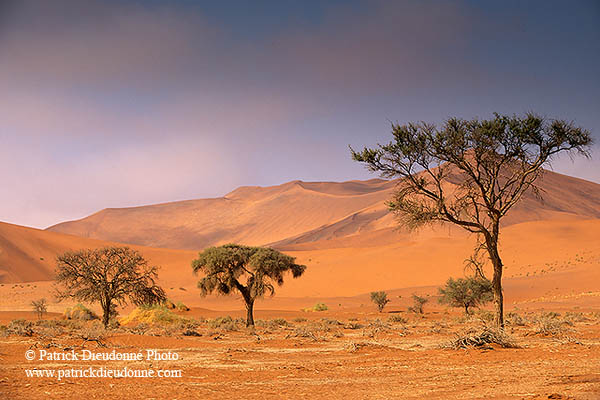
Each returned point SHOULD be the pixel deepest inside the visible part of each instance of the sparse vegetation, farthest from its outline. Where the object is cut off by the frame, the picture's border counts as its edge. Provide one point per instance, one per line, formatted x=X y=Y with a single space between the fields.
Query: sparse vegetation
x=262 y=267
x=40 y=307
x=550 y=324
x=397 y=319
x=151 y=315
x=317 y=307
x=418 y=303
x=466 y=292
x=498 y=161
x=19 y=327
x=380 y=299
x=79 y=312
x=482 y=338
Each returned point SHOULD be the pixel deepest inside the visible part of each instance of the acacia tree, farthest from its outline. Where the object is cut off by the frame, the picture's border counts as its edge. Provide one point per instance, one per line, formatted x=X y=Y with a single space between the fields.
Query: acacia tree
x=251 y=271
x=110 y=276
x=466 y=292
x=40 y=307
x=471 y=173
x=380 y=299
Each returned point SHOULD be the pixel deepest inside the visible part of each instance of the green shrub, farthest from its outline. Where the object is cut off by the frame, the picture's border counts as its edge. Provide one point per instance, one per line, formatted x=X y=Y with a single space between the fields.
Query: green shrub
x=466 y=292
x=380 y=299
x=317 y=307
x=418 y=302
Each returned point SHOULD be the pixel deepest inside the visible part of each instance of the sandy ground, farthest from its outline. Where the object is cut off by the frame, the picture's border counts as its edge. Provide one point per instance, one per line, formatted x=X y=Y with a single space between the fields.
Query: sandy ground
x=376 y=360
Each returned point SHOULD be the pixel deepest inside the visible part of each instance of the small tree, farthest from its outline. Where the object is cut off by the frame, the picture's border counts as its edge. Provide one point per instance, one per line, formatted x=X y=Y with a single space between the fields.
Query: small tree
x=251 y=271
x=40 y=307
x=380 y=299
x=466 y=292
x=418 y=303
x=110 y=276
x=471 y=173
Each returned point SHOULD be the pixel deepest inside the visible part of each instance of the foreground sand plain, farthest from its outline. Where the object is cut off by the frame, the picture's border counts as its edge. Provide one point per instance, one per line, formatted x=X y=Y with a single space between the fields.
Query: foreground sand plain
x=352 y=354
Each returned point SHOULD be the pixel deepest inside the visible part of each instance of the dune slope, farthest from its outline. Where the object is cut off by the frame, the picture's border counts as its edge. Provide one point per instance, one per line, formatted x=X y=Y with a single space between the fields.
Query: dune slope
x=300 y=212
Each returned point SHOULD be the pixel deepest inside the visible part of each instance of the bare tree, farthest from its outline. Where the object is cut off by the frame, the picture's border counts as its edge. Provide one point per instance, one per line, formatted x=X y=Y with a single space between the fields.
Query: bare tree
x=252 y=271
x=110 y=276
x=418 y=303
x=40 y=307
x=471 y=173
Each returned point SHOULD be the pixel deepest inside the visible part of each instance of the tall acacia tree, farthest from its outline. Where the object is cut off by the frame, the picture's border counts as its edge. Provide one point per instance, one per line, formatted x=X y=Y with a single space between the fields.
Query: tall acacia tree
x=252 y=271
x=110 y=276
x=471 y=173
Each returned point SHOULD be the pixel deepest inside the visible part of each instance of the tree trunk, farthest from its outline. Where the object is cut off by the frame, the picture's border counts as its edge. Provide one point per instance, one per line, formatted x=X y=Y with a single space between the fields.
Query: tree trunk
x=492 y=248
x=106 y=313
x=467 y=310
x=498 y=297
x=249 y=312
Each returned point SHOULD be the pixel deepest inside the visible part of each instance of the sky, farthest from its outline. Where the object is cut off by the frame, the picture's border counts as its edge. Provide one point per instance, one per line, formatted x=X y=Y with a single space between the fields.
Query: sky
x=125 y=103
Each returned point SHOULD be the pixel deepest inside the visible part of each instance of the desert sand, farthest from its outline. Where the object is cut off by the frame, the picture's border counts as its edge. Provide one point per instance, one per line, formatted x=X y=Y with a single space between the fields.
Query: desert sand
x=351 y=246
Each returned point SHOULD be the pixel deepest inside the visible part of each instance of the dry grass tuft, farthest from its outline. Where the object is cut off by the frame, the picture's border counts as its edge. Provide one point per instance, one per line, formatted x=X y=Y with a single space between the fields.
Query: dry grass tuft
x=481 y=338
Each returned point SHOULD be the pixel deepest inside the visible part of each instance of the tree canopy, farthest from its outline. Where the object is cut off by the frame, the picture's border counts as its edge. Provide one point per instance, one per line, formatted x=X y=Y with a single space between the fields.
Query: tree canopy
x=251 y=271
x=466 y=292
x=380 y=299
x=471 y=173
x=110 y=275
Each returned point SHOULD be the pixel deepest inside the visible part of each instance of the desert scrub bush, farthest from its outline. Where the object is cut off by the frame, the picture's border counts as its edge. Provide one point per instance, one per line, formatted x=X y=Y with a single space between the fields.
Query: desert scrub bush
x=49 y=328
x=483 y=337
x=224 y=323
x=575 y=317
x=94 y=332
x=376 y=327
x=332 y=322
x=418 y=303
x=437 y=327
x=550 y=324
x=309 y=332
x=181 y=307
x=272 y=324
x=353 y=325
x=380 y=299
x=317 y=330
x=280 y=321
x=80 y=312
x=514 y=319
x=299 y=320
x=484 y=316
x=151 y=315
x=397 y=319
x=139 y=329
x=317 y=307
x=19 y=327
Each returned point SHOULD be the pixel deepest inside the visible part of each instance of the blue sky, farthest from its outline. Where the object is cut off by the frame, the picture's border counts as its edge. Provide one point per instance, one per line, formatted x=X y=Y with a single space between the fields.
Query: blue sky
x=115 y=103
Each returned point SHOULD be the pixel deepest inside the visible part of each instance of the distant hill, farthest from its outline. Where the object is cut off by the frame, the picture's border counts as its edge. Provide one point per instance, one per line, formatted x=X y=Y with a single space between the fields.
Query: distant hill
x=28 y=254
x=301 y=212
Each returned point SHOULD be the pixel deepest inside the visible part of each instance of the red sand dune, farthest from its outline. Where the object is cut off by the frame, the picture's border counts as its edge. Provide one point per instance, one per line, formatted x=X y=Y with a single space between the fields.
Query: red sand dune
x=299 y=212
x=342 y=232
